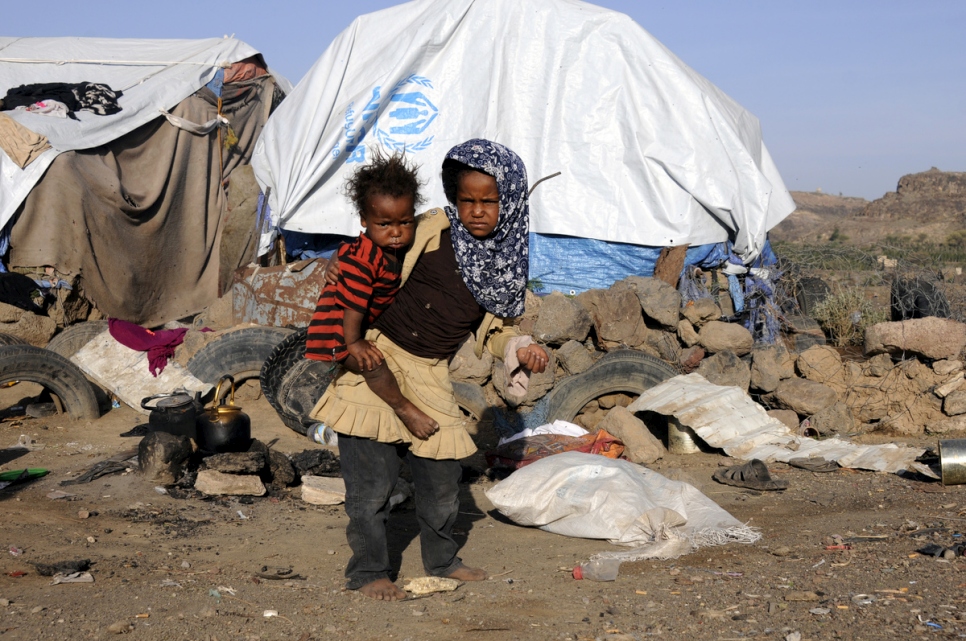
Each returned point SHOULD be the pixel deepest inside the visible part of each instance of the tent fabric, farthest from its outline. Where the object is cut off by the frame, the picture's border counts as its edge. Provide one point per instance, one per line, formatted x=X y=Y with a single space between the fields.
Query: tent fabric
x=153 y=75
x=650 y=152
x=140 y=217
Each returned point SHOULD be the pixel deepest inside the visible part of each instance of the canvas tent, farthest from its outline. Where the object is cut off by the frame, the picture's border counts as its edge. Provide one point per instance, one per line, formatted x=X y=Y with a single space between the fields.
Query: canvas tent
x=134 y=202
x=651 y=154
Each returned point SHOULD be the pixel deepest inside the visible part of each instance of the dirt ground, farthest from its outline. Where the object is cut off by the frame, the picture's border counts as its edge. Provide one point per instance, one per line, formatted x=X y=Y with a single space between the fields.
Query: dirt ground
x=837 y=559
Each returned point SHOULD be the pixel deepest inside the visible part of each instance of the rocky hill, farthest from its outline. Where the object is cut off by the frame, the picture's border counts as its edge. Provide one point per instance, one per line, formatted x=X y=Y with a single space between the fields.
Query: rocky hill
x=928 y=205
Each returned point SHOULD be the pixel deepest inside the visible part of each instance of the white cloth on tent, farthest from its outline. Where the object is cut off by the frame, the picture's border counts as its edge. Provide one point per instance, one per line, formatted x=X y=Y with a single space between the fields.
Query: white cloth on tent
x=651 y=153
x=153 y=74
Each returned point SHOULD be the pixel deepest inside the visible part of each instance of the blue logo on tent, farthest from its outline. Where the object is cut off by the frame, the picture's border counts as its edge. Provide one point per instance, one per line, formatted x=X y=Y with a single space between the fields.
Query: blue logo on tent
x=399 y=124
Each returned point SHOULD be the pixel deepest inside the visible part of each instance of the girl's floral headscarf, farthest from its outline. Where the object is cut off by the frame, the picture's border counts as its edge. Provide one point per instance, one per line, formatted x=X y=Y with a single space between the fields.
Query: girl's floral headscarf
x=495 y=268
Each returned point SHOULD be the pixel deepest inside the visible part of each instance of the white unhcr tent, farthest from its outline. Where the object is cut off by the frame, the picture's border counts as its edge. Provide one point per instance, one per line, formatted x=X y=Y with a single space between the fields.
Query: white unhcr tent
x=651 y=153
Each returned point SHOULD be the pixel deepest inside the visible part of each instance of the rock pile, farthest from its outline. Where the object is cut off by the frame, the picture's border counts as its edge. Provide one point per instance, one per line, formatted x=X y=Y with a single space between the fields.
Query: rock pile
x=892 y=391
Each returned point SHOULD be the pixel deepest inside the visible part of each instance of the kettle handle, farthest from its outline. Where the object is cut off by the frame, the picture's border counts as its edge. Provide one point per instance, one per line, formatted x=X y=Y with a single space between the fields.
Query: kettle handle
x=217 y=400
x=145 y=401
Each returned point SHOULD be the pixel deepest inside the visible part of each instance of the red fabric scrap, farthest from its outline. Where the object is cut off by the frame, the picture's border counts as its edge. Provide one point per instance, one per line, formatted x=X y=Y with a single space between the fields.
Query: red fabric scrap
x=159 y=345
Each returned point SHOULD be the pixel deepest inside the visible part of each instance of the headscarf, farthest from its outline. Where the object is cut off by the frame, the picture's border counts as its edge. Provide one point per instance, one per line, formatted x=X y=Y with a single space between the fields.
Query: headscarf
x=496 y=268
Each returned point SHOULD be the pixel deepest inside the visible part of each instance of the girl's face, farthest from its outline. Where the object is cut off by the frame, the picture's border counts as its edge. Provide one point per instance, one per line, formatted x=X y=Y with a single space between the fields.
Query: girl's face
x=478 y=203
x=390 y=222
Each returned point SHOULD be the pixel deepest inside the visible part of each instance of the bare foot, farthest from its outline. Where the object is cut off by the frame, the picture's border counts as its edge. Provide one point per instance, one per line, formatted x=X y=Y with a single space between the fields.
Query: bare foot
x=465 y=573
x=417 y=422
x=383 y=590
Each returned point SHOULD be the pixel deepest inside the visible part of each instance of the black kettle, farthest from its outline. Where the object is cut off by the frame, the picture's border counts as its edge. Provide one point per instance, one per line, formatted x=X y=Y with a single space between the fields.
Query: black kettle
x=223 y=427
x=176 y=413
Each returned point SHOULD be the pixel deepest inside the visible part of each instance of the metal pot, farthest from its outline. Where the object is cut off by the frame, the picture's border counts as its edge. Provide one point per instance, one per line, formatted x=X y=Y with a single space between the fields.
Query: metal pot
x=223 y=427
x=175 y=413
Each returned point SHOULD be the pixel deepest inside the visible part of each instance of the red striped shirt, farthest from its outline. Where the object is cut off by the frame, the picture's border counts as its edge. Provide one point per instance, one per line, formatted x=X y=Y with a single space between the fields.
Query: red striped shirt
x=368 y=282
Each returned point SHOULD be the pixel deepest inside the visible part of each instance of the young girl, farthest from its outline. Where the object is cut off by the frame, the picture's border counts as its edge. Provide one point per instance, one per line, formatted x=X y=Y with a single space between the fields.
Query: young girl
x=385 y=192
x=467 y=268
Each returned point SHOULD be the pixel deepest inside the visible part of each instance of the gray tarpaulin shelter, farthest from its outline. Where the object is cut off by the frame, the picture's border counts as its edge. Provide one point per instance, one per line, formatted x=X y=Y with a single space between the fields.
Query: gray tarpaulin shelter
x=133 y=202
x=650 y=152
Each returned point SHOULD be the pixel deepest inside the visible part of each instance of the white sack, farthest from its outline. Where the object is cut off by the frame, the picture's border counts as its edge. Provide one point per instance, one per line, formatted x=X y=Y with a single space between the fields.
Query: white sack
x=593 y=497
x=651 y=153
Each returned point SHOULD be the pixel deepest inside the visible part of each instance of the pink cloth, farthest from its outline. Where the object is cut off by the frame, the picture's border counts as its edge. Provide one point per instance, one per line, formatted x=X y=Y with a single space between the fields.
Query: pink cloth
x=158 y=344
x=517 y=378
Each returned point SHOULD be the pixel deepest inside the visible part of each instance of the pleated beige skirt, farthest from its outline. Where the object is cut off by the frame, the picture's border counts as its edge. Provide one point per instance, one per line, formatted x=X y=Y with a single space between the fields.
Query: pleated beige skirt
x=349 y=406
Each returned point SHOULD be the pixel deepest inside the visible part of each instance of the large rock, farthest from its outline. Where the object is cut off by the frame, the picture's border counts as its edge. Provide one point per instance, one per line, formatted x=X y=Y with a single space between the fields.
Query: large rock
x=933 y=338
x=216 y=483
x=10 y=313
x=802 y=396
x=725 y=368
x=821 y=364
x=663 y=342
x=879 y=365
x=282 y=472
x=835 y=419
x=659 y=300
x=955 y=403
x=617 y=316
x=765 y=369
x=912 y=415
x=161 y=457
x=716 y=336
x=947 y=367
x=701 y=311
x=32 y=329
x=949 y=385
x=465 y=366
x=561 y=319
x=787 y=417
x=687 y=333
x=947 y=425
x=574 y=357
x=640 y=446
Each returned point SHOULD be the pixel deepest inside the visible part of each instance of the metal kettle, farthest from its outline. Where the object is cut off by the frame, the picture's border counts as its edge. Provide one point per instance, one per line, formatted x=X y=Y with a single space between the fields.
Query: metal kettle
x=223 y=427
x=175 y=413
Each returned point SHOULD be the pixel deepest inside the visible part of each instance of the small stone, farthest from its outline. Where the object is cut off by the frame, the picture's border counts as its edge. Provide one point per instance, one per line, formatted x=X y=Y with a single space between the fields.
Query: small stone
x=801 y=595
x=83 y=514
x=185 y=565
x=330 y=552
x=717 y=336
x=947 y=367
x=701 y=311
x=38 y=609
x=4 y=603
x=120 y=627
x=950 y=386
x=955 y=403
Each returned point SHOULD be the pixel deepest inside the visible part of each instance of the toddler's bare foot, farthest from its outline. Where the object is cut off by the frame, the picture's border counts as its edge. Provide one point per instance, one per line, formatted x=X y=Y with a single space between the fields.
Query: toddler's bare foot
x=417 y=422
x=465 y=573
x=383 y=590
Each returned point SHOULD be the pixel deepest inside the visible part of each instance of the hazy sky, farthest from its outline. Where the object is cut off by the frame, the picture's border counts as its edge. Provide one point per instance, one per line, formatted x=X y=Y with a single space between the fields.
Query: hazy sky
x=851 y=94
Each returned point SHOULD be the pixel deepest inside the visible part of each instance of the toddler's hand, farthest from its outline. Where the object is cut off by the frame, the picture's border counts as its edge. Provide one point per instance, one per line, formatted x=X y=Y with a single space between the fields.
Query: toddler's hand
x=534 y=358
x=332 y=269
x=366 y=354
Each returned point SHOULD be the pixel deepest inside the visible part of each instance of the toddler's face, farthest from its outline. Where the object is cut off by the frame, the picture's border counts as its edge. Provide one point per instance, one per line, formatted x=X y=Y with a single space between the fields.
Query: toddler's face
x=390 y=222
x=478 y=203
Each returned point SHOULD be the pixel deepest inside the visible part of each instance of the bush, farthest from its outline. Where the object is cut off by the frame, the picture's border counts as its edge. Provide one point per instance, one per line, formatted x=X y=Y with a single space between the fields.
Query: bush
x=846 y=314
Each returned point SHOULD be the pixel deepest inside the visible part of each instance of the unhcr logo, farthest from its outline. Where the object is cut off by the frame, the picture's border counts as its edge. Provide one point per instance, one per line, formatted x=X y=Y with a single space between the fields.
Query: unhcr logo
x=407 y=116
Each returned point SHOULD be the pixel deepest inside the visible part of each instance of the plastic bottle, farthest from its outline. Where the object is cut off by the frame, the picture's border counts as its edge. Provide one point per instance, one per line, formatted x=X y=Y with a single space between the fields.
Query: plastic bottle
x=323 y=434
x=598 y=570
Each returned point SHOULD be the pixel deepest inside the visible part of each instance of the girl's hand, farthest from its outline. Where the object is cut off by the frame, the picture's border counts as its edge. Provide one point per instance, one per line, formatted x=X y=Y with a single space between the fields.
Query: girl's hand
x=534 y=358
x=332 y=269
x=366 y=354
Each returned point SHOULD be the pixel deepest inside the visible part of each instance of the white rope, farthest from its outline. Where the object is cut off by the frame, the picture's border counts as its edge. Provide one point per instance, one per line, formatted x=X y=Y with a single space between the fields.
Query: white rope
x=127 y=63
x=193 y=127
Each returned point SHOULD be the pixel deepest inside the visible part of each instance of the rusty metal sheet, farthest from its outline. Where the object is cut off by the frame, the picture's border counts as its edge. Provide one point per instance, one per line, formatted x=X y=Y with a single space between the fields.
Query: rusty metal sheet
x=280 y=296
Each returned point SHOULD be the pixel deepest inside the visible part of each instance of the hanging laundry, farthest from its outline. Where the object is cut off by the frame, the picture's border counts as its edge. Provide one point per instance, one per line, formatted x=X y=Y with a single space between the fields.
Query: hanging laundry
x=95 y=97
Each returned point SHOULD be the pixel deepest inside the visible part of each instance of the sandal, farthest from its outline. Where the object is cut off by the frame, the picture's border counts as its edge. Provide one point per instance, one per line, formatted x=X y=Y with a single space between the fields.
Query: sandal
x=752 y=475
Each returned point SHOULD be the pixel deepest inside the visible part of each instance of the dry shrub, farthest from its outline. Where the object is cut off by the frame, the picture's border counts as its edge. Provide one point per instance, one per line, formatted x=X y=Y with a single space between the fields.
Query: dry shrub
x=845 y=315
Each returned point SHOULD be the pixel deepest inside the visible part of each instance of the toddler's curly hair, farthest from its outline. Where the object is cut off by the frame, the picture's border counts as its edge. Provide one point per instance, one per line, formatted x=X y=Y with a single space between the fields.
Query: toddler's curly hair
x=389 y=175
